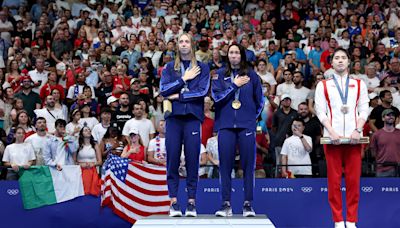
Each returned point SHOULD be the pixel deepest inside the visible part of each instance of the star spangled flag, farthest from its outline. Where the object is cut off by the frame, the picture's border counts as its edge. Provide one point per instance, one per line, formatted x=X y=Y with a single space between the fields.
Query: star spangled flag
x=134 y=190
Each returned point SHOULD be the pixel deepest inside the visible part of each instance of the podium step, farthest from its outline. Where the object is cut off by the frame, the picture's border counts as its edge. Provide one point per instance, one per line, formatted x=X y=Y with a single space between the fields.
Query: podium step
x=208 y=221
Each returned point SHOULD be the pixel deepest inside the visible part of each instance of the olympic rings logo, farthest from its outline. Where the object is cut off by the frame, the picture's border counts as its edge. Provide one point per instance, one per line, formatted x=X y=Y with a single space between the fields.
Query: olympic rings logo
x=12 y=192
x=306 y=189
x=367 y=189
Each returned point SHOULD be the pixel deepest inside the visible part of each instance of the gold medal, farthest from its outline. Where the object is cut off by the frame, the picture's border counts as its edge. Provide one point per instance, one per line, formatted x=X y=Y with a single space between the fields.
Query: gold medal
x=236 y=104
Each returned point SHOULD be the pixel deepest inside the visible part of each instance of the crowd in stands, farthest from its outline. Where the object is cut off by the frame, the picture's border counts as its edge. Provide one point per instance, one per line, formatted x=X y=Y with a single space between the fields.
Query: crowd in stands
x=80 y=78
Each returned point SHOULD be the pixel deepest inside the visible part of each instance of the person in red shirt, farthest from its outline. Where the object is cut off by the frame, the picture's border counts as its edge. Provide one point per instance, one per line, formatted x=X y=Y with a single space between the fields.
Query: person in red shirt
x=135 y=150
x=52 y=83
x=73 y=70
x=326 y=55
x=121 y=81
x=207 y=126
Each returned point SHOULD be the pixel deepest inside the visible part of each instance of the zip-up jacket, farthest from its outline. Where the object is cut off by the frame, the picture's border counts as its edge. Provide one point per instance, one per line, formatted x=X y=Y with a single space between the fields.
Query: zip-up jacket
x=191 y=100
x=250 y=97
x=328 y=104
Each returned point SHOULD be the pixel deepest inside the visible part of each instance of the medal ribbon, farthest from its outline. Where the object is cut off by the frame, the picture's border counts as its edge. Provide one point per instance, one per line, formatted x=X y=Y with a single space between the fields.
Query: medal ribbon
x=344 y=98
x=237 y=93
x=183 y=71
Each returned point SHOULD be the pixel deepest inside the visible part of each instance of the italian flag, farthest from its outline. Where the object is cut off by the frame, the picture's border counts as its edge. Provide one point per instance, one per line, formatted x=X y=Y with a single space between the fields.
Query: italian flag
x=44 y=185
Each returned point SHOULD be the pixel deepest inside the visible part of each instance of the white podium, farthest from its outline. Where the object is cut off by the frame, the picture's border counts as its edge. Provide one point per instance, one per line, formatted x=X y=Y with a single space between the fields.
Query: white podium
x=208 y=221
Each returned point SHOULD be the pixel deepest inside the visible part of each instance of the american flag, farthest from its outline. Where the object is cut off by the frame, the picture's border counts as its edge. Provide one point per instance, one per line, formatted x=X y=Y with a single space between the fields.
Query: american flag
x=134 y=190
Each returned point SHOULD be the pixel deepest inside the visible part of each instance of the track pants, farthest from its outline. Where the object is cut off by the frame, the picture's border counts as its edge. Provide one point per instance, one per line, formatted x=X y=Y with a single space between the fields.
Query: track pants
x=227 y=141
x=186 y=130
x=347 y=158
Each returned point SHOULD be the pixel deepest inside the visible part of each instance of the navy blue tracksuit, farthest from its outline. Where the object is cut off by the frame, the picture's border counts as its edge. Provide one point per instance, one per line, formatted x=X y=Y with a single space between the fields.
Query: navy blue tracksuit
x=183 y=124
x=237 y=126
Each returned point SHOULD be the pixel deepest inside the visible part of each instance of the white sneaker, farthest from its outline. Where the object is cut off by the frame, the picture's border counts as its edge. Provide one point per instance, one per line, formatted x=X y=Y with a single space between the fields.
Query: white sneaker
x=339 y=224
x=351 y=225
x=225 y=211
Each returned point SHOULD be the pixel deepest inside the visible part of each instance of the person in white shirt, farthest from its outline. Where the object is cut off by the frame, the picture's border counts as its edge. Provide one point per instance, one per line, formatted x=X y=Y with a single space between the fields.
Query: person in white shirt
x=296 y=151
x=74 y=127
x=18 y=154
x=50 y=113
x=156 y=152
x=37 y=139
x=39 y=75
x=298 y=93
x=145 y=126
x=284 y=87
x=341 y=104
x=202 y=161
x=101 y=128
x=371 y=79
x=265 y=75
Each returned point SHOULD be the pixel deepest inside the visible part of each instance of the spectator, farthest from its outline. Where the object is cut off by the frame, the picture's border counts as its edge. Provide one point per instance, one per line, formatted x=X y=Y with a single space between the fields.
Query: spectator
x=156 y=152
x=18 y=154
x=59 y=149
x=52 y=83
x=213 y=157
x=113 y=142
x=135 y=150
x=208 y=124
x=265 y=75
x=143 y=125
x=74 y=127
x=88 y=154
x=312 y=128
x=298 y=93
x=87 y=119
x=375 y=119
x=385 y=144
x=24 y=121
x=50 y=113
x=100 y=129
x=30 y=99
x=286 y=86
x=281 y=121
x=394 y=72
x=296 y=151
x=371 y=78
x=132 y=55
x=123 y=112
x=39 y=75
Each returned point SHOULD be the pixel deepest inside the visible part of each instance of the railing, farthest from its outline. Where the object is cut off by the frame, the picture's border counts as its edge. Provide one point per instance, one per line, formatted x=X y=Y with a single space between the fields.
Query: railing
x=274 y=171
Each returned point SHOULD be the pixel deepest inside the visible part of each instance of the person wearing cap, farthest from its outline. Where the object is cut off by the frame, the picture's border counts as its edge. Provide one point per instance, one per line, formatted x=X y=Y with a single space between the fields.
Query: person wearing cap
x=135 y=150
x=113 y=103
x=341 y=104
x=30 y=99
x=185 y=82
x=86 y=116
x=238 y=98
x=373 y=101
x=281 y=121
x=135 y=95
x=385 y=144
x=375 y=120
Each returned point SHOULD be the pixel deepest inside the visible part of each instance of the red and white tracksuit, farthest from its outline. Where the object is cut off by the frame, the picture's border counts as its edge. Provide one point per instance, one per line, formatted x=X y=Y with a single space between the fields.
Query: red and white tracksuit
x=341 y=158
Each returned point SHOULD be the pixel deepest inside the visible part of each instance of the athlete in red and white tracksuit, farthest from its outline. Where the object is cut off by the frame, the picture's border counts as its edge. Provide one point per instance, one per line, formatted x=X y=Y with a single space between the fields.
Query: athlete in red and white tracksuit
x=329 y=106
